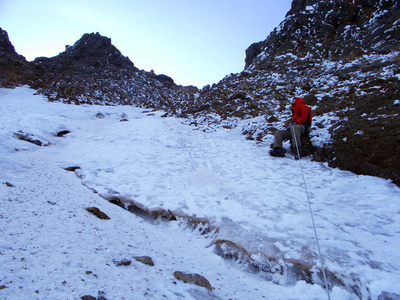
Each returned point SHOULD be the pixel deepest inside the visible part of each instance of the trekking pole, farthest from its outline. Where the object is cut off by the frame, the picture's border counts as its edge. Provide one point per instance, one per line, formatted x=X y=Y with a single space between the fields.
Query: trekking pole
x=325 y=281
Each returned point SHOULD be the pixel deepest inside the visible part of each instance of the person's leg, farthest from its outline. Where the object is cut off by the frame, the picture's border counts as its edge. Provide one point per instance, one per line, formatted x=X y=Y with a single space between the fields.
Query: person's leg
x=279 y=137
x=298 y=130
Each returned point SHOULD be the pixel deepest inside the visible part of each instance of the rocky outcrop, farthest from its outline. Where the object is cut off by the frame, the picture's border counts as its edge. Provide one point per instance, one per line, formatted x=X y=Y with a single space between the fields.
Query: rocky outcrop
x=253 y=51
x=14 y=68
x=91 y=71
x=335 y=30
x=94 y=71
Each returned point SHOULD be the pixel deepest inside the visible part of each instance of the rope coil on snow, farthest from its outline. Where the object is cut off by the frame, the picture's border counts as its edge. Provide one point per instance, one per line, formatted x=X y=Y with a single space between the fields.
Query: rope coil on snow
x=312 y=216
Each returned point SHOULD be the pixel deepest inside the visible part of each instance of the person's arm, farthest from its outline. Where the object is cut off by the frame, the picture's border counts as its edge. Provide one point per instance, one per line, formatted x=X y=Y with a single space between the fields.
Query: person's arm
x=302 y=118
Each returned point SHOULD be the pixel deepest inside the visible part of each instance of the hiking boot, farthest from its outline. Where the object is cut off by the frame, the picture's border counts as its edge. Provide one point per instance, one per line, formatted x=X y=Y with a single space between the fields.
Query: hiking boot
x=278 y=152
x=298 y=155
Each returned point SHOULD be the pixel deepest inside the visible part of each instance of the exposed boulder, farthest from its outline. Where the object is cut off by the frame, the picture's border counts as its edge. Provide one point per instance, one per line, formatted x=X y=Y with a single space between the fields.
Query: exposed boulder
x=31 y=138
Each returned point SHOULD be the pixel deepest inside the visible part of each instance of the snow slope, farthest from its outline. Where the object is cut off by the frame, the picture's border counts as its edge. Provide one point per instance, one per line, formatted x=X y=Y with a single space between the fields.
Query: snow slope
x=51 y=247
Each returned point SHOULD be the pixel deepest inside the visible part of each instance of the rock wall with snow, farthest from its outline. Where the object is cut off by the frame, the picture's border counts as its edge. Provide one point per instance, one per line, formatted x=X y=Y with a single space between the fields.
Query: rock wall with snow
x=343 y=58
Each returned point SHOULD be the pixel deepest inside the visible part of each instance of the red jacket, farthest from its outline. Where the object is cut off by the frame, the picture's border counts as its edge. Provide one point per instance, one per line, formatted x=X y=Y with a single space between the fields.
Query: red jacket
x=301 y=112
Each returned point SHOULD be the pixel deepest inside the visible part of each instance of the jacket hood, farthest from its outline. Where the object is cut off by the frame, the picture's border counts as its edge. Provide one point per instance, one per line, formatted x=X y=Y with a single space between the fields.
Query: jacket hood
x=299 y=101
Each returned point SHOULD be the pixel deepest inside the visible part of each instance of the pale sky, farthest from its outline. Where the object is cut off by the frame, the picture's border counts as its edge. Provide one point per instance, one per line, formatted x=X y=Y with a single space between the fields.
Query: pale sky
x=196 y=42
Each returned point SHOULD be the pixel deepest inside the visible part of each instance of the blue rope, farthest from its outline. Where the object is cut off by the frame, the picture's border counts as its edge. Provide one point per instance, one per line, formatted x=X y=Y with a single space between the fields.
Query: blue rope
x=312 y=215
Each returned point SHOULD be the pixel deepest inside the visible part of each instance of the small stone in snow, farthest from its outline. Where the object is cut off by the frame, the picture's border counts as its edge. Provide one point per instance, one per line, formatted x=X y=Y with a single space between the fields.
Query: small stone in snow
x=72 y=169
x=62 y=133
x=193 y=278
x=145 y=260
x=88 y=297
x=124 y=262
x=98 y=213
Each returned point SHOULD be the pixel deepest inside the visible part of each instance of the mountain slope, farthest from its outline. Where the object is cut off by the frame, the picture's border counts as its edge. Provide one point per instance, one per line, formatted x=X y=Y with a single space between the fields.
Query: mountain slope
x=343 y=57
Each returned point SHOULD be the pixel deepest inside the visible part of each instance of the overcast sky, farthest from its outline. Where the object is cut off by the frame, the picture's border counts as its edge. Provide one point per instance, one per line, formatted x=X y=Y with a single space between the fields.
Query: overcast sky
x=196 y=42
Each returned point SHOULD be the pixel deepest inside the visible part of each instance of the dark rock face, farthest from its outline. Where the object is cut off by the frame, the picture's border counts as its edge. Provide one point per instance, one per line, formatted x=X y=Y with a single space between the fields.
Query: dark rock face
x=369 y=141
x=252 y=52
x=164 y=79
x=14 y=68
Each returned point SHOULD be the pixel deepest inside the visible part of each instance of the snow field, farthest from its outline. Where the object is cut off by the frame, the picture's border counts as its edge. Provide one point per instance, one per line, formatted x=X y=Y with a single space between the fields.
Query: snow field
x=256 y=201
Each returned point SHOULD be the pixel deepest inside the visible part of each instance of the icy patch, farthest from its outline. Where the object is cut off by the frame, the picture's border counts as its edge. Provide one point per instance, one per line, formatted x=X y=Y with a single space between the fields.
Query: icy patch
x=286 y=55
x=321 y=136
x=310 y=8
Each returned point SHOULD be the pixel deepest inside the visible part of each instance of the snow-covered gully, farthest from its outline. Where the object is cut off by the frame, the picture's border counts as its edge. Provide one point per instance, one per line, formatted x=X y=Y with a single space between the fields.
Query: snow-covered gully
x=289 y=271
x=227 y=195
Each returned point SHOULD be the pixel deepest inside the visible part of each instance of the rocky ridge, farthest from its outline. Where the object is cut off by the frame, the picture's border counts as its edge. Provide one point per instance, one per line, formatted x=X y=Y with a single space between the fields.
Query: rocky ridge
x=92 y=71
x=342 y=56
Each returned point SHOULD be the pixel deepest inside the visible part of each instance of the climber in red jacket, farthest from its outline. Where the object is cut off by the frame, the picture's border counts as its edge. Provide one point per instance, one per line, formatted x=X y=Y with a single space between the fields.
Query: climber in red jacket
x=300 y=125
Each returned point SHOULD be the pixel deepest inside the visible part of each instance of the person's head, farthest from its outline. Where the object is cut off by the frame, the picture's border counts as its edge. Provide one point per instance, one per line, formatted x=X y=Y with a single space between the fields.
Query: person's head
x=293 y=100
x=297 y=99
